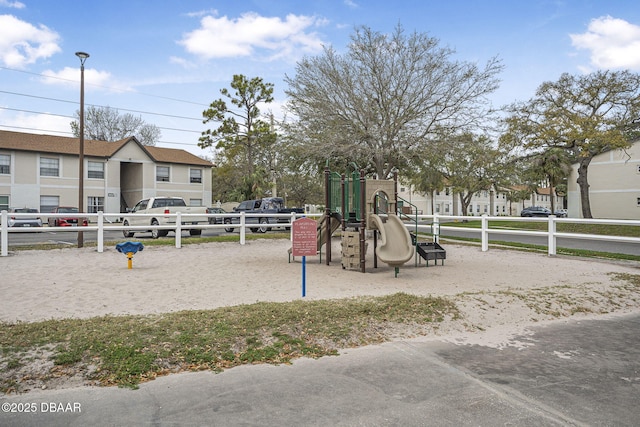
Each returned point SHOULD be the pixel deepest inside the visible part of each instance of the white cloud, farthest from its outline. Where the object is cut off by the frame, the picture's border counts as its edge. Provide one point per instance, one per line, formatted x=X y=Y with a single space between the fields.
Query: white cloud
x=36 y=123
x=92 y=78
x=12 y=4
x=351 y=4
x=182 y=62
x=22 y=43
x=613 y=43
x=252 y=34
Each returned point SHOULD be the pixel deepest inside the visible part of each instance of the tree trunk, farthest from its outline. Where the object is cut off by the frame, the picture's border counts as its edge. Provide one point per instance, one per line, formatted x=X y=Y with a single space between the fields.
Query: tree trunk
x=465 y=200
x=583 y=183
x=433 y=202
x=552 y=196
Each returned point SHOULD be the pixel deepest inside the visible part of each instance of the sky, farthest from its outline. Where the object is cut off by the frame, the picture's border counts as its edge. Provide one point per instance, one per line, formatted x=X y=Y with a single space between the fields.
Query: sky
x=166 y=60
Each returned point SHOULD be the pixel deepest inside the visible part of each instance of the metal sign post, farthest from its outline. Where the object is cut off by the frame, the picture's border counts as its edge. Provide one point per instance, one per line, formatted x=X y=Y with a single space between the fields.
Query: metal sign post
x=305 y=235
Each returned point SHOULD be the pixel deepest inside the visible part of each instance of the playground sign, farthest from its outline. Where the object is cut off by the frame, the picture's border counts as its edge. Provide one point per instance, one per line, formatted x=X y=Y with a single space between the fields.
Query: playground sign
x=305 y=236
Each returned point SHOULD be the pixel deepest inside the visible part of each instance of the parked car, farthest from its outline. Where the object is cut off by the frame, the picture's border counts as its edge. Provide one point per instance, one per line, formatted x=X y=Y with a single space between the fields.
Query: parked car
x=70 y=220
x=24 y=221
x=266 y=205
x=561 y=213
x=159 y=211
x=535 y=211
x=215 y=220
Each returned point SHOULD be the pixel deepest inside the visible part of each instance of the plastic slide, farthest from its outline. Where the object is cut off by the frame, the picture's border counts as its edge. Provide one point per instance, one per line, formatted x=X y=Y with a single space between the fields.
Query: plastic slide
x=394 y=246
x=322 y=228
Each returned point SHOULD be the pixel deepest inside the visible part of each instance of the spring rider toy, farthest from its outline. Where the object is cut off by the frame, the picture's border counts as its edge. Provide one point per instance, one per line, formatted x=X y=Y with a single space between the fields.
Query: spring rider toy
x=129 y=249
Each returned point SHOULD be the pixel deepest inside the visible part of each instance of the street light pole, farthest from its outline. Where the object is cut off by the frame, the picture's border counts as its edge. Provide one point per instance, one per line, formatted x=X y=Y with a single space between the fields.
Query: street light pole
x=83 y=57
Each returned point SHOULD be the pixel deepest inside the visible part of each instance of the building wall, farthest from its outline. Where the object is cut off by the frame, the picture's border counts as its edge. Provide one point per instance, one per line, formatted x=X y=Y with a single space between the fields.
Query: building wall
x=129 y=173
x=614 y=185
x=484 y=202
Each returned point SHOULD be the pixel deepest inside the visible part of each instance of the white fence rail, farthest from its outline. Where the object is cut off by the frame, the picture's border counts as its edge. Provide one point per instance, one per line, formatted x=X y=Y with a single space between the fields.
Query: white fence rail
x=431 y=224
x=437 y=225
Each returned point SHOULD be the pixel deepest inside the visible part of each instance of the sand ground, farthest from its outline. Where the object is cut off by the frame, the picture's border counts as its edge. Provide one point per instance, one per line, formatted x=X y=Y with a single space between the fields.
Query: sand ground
x=500 y=293
x=80 y=283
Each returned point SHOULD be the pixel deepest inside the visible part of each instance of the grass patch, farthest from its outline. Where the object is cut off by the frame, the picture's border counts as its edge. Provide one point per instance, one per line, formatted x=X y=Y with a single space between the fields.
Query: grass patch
x=126 y=350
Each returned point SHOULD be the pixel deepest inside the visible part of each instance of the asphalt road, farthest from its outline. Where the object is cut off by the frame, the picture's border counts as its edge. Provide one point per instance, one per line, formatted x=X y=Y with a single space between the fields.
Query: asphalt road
x=573 y=373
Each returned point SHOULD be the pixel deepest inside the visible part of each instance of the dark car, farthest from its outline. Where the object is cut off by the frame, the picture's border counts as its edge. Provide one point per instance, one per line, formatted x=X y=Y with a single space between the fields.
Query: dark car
x=24 y=221
x=535 y=211
x=215 y=220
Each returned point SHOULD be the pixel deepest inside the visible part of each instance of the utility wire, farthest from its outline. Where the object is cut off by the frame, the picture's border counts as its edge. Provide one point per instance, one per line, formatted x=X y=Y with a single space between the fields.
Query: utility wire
x=104 y=87
x=70 y=133
x=100 y=106
x=71 y=117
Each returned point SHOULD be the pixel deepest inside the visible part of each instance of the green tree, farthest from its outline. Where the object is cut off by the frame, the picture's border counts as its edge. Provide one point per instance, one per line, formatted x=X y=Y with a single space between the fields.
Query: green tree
x=243 y=139
x=426 y=180
x=380 y=103
x=468 y=163
x=585 y=115
x=553 y=166
x=107 y=124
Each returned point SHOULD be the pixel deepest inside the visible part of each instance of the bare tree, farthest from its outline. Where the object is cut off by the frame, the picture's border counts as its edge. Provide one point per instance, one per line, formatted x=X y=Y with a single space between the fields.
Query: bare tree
x=382 y=100
x=107 y=124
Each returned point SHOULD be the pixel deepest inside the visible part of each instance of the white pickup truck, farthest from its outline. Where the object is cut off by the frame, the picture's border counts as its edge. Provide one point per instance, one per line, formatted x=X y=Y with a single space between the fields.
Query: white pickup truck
x=157 y=212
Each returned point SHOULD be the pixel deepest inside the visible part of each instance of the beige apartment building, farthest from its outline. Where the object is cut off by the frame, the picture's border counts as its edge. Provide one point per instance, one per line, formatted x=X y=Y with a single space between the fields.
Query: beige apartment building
x=41 y=171
x=614 y=185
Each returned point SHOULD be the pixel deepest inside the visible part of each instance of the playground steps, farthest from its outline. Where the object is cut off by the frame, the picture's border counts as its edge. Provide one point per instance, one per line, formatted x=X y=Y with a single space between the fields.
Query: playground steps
x=431 y=251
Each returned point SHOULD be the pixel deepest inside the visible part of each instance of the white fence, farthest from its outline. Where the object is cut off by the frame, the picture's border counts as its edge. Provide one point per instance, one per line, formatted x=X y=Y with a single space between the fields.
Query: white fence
x=551 y=233
x=431 y=224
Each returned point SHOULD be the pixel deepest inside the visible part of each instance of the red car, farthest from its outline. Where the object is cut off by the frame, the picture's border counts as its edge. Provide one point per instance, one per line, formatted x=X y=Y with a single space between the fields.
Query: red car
x=66 y=220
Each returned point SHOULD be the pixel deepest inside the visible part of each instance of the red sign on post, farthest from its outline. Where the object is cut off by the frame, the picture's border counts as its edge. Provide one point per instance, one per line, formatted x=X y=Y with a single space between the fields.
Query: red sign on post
x=305 y=237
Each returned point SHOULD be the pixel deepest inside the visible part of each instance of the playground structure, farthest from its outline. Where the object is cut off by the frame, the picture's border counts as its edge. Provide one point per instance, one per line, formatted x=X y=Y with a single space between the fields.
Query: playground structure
x=356 y=204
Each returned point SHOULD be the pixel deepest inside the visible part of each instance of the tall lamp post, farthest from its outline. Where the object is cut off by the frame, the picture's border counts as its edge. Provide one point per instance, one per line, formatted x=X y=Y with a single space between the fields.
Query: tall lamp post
x=83 y=57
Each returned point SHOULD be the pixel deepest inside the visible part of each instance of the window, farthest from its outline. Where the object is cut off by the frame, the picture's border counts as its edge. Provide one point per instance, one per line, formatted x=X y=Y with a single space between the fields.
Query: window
x=446 y=208
x=95 y=170
x=49 y=203
x=162 y=173
x=95 y=204
x=142 y=205
x=195 y=202
x=446 y=191
x=637 y=170
x=195 y=176
x=5 y=164
x=49 y=167
x=4 y=203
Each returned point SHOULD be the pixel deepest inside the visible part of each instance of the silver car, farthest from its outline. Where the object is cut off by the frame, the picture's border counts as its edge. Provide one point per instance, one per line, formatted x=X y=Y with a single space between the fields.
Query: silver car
x=24 y=221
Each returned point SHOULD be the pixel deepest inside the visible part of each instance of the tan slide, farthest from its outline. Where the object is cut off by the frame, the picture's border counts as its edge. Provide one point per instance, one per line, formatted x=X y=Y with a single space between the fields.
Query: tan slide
x=395 y=246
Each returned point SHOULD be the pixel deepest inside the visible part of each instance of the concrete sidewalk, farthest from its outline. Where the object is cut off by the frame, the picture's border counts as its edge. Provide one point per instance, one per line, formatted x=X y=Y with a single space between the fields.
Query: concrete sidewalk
x=569 y=373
